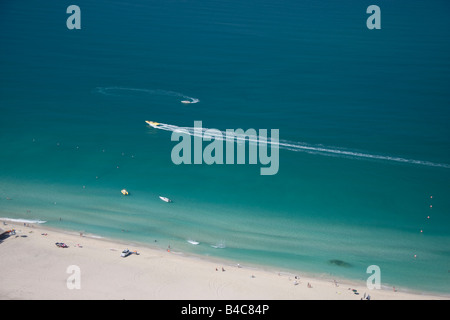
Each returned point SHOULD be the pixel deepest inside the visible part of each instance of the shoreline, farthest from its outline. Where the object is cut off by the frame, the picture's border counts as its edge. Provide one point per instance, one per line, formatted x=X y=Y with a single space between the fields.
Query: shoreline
x=158 y=274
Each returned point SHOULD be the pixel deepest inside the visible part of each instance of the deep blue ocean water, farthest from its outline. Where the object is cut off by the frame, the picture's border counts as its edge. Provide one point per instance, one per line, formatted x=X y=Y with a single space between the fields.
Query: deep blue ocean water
x=72 y=132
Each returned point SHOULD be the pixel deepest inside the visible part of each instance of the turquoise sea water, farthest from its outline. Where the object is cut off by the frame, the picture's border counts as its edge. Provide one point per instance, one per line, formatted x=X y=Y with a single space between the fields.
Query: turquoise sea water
x=72 y=132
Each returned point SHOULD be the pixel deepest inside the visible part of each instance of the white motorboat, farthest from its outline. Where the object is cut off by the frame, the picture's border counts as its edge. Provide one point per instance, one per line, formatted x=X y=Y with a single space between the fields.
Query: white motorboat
x=125 y=253
x=165 y=199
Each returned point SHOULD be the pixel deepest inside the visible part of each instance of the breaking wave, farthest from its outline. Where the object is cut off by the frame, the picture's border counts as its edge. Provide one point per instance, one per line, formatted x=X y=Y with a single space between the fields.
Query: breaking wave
x=22 y=220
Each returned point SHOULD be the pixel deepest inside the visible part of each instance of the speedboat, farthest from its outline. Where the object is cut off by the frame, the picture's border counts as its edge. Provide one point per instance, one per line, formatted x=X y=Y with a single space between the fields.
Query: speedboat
x=165 y=199
x=185 y=101
x=152 y=123
x=125 y=253
x=124 y=192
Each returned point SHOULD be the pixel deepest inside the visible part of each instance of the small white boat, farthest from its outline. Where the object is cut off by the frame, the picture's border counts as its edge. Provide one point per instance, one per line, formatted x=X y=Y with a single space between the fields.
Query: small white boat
x=193 y=242
x=165 y=199
x=124 y=192
x=125 y=253
x=185 y=101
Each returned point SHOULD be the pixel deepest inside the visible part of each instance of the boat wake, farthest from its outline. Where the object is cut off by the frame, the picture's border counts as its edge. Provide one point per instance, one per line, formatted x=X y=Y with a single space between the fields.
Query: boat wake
x=123 y=91
x=298 y=146
x=219 y=245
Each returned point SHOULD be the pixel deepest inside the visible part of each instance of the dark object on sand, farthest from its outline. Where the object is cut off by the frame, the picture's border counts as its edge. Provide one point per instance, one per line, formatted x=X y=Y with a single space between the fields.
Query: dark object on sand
x=61 y=245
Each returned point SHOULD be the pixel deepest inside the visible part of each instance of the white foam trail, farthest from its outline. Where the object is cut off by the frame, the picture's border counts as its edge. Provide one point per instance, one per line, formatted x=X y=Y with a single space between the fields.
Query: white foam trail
x=93 y=236
x=219 y=246
x=22 y=220
x=115 y=91
x=302 y=147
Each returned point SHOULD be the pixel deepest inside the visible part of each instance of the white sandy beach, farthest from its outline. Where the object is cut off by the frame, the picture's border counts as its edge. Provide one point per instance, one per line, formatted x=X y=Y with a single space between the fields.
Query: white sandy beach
x=33 y=267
